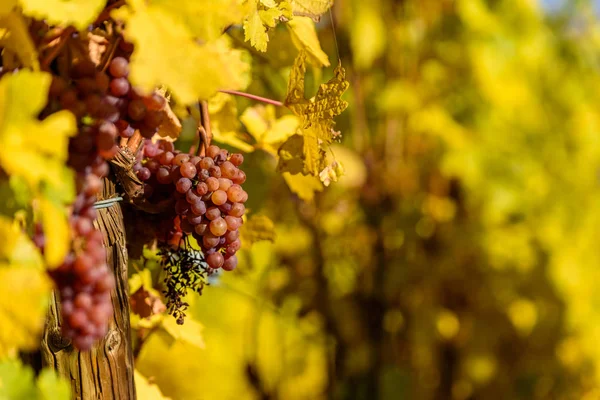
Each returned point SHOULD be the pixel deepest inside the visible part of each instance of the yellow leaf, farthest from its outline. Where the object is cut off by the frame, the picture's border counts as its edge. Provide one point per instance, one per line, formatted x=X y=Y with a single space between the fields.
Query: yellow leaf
x=190 y=332
x=23 y=305
x=167 y=53
x=255 y=32
x=56 y=230
x=33 y=149
x=270 y=17
x=304 y=37
x=205 y=19
x=79 y=13
x=224 y=122
x=14 y=37
x=257 y=228
x=291 y=155
x=316 y=114
x=302 y=185
x=146 y=390
x=311 y=8
x=269 y=132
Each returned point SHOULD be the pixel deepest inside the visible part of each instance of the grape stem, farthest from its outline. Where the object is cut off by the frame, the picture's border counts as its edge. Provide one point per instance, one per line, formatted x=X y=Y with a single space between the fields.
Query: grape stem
x=134 y=142
x=253 y=97
x=204 y=131
x=62 y=40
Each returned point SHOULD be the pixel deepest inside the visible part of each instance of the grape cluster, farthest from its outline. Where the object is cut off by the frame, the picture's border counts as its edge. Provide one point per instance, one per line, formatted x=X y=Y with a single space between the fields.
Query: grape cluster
x=209 y=198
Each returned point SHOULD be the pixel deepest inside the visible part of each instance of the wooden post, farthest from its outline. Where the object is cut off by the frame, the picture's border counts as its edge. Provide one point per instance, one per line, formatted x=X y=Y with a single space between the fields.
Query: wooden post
x=106 y=371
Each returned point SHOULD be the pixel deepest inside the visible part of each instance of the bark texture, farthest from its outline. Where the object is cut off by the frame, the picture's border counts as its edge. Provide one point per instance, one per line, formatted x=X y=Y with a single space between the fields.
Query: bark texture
x=106 y=371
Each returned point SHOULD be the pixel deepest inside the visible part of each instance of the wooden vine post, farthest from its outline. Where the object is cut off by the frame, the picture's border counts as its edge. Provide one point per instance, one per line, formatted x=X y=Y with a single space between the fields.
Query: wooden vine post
x=106 y=371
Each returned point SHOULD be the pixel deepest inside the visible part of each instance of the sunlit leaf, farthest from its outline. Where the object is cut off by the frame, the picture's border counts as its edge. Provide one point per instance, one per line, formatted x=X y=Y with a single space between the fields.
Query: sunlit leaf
x=304 y=37
x=193 y=70
x=79 y=13
x=14 y=37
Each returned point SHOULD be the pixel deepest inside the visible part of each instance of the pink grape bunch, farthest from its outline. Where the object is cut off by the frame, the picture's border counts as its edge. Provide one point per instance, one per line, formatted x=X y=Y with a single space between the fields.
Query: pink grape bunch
x=209 y=198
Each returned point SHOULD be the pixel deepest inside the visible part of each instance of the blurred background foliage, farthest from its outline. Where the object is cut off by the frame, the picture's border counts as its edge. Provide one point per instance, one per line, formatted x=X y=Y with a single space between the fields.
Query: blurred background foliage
x=457 y=258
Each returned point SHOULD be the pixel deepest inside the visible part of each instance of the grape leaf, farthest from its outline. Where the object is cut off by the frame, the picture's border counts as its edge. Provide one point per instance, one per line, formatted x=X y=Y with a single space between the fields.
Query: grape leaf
x=304 y=37
x=257 y=228
x=205 y=19
x=146 y=390
x=190 y=332
x=316 y=116
x=302 y=185
x=263 y=16
x=224 y=122
x=79 y=13
x=167 y=53
x=14 y=37
x=269 y=132
x=17 y=382
x=311 y=8
x=23 y=281
x=22 y=326
x=33 y=149
x=37 y=151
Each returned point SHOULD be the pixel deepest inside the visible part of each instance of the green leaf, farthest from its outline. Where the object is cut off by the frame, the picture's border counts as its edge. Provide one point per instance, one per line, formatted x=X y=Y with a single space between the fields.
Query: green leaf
x=17 y=383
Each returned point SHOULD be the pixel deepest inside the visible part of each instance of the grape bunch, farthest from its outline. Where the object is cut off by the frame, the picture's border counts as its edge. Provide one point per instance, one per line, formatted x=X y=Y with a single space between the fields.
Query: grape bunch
x=208 y=206
x=209 y=198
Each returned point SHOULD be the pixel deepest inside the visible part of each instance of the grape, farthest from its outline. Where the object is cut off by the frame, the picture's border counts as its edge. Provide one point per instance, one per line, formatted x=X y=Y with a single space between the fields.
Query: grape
x=191 y=197
x=230 y=263
x=237 y=210
x=206 y=163
x=180 y=159
x=119 y=87
x=144 y=174
x=212 y=151
x=219 y=197
x=136 y=110
x=83 y=301
x=231 y=236
x=202 y=188
x=183 y=185
x=194 y=219
x=226 y=208
x=188 y=170
x=244 y=197
x=215 y=172
x=154 y=119
x=83 y=68
x=166 y=158
x=218 y=226
x=233 y=223
x=236 y=159
x=212 y=184
x=234 y=246
x=228 y=170
x=68 y=98
x=203 y=175
x=240 y=177
x=152 y=166
x=201 y=228
x=213 y=213
x=198 y=207
x=82 y=263
x=119 y=67
x=163 y=175
x=209 y=240
x=155 y=102
x=83 y=226
x=215 y=260
x=224 y=184
x=235 y=193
